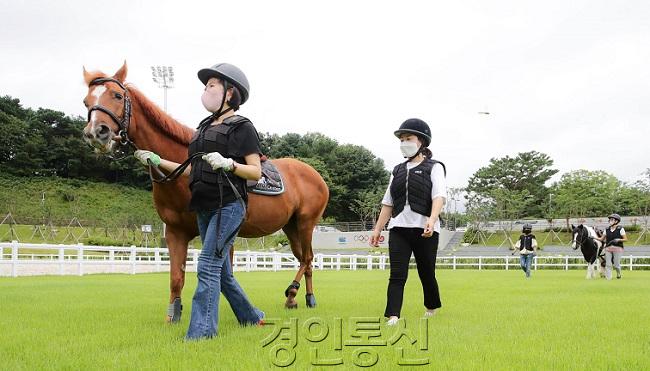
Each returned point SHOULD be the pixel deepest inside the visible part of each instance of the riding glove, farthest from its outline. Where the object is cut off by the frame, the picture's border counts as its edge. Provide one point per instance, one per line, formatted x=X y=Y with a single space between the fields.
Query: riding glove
x=143 y=156
x=217 y=161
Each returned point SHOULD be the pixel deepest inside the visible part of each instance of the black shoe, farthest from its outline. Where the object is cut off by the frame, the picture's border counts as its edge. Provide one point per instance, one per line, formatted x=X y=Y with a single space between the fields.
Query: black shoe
x=618 y=275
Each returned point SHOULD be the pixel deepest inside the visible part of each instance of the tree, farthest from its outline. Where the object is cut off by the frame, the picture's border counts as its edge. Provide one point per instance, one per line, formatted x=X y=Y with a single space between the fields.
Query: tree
x=365 y=206
x=583 y=193
x=528 y=171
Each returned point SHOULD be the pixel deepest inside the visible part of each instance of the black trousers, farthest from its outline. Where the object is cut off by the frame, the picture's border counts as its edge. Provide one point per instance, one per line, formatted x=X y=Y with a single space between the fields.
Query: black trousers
x=401 y=243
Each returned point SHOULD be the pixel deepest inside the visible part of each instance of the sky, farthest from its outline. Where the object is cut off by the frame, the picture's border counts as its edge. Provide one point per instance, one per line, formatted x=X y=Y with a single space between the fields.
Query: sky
x=566 y=78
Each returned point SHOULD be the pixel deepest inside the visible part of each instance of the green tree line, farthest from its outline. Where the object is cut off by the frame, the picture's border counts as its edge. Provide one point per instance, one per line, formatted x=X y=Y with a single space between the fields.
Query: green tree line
x=517 y=187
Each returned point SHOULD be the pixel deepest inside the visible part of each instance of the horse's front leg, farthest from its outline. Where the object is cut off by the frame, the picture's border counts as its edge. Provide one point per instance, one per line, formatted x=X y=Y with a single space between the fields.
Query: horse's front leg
x=177 y=246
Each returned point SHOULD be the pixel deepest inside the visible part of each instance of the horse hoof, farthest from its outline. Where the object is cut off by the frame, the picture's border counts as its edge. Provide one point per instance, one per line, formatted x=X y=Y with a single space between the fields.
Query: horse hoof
x=174 y=311
x=291 y=306
x=311 y=300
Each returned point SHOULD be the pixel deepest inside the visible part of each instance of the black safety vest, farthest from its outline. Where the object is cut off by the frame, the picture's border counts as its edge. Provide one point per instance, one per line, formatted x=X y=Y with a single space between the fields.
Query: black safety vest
x=214 y=138
x=419 y=184
x=526 y=242
x=611 y=235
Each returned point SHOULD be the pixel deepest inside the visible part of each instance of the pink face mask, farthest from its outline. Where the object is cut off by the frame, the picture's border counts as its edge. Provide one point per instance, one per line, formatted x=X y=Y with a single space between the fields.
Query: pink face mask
x=212 y=99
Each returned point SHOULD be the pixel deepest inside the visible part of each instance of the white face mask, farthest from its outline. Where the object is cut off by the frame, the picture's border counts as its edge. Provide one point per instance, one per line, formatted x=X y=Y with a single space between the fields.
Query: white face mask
x=212 y=99
x=409 y=149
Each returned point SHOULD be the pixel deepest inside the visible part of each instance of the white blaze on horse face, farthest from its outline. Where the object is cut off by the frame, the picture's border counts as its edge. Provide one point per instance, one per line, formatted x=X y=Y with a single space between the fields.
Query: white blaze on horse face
x=573 y=243
x=97 y=93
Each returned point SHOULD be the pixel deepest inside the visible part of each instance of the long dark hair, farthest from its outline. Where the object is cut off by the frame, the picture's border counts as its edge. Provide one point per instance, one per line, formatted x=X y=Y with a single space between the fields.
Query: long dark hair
x=425 y=151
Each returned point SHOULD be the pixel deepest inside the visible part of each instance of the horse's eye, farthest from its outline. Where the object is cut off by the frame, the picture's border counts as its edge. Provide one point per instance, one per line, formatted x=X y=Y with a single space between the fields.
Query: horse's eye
x=118 y=96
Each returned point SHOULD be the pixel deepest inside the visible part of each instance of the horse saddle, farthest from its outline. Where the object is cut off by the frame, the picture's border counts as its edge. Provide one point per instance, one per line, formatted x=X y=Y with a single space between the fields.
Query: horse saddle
x=270 y=184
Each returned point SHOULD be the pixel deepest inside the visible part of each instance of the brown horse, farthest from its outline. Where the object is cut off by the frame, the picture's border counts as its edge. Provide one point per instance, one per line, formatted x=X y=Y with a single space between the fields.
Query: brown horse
x=119 y=114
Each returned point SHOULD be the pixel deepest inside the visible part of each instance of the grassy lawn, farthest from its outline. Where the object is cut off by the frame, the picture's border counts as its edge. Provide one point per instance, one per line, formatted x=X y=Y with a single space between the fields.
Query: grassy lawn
x=489 y=320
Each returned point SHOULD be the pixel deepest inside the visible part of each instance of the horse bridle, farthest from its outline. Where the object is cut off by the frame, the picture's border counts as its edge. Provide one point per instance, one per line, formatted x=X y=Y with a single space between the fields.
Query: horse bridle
x=123 y=124
x=582 y=240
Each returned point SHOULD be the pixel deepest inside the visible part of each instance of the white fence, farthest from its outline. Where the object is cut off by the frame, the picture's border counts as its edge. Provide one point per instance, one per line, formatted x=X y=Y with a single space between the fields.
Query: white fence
x=21 y=259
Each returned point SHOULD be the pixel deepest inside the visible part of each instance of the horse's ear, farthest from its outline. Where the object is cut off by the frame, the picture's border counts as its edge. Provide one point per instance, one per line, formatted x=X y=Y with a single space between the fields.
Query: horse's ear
x=87 y=76
x=120 y=75
x=573 y=226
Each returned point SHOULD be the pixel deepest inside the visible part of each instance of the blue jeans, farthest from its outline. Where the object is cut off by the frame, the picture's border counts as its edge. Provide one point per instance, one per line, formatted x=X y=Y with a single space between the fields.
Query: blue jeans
x=215 y=274
x=525 y=260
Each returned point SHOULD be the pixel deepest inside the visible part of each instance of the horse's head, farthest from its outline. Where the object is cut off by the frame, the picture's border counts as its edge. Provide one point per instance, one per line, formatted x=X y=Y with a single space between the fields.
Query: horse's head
x=581 y=234
x=109 y=110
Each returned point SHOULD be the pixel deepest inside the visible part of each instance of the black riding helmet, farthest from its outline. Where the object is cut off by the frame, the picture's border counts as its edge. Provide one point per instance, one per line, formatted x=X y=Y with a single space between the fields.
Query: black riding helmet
x=230 y=74
x=615 y=217
x=527 y=228
x=417 y=127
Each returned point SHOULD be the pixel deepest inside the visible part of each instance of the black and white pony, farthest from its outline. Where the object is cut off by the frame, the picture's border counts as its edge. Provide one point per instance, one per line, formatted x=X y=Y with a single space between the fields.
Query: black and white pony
x=585 y=238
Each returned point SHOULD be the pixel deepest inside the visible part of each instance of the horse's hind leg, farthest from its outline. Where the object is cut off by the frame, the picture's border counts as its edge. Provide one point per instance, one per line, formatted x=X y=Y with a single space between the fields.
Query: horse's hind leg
x=292 y=290
x=305 y=231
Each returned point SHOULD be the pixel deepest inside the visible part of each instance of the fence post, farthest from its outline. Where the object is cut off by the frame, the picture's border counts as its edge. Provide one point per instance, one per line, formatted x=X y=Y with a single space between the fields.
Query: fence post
x=535 y=261
x=507 y=261
x=132 y=259
x=249 y=260
x=566 y=263
x=480 y=260
x=61 y=259
x=369 y=262
x=338 y=262
x=156 y=255
x=454 y=262
x=14 y=258
x=631 y=258
x=275 y=261
x=80 y=258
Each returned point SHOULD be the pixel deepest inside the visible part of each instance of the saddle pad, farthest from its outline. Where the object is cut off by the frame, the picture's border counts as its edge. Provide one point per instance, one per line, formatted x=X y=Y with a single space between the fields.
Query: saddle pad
x=270 y=183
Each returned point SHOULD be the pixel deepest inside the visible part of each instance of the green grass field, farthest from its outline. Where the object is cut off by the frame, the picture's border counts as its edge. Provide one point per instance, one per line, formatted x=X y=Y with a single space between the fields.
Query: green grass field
x=489 y=320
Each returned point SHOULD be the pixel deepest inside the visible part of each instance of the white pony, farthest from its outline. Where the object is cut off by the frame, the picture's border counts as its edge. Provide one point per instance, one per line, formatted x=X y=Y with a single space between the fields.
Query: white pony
x=586 y=238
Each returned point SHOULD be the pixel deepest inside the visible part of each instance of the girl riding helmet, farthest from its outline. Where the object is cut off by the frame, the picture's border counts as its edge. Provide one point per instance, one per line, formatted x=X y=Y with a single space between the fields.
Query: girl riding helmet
x=527 y=228
x=231 y=74
x=417 y=127
x=615 y=217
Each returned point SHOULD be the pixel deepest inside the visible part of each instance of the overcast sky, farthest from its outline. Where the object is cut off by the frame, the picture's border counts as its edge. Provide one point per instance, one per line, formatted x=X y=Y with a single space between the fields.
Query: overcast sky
x=567 y=78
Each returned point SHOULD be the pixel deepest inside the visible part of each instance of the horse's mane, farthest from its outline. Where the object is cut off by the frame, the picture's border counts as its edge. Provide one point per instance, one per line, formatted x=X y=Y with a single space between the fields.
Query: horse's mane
x=160 y=118
x=165 y=122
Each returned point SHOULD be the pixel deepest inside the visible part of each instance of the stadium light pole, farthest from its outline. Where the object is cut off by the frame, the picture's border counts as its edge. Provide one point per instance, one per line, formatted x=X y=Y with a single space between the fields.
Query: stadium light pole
x=164 y=77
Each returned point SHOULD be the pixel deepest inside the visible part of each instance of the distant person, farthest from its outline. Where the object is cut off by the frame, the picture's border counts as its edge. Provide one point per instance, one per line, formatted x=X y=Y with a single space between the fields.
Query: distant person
x=218 y=186
x=413 y=201
x=527 y=248
x=614 y=237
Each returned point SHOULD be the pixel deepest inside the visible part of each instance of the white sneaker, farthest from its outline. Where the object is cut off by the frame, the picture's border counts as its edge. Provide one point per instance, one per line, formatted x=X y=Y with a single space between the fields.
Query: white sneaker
x=430 y=312
x=392 y=321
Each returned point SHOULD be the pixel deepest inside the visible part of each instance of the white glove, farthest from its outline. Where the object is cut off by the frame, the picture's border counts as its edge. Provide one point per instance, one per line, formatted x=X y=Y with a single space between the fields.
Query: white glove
x=143 y=156
x=217 y=161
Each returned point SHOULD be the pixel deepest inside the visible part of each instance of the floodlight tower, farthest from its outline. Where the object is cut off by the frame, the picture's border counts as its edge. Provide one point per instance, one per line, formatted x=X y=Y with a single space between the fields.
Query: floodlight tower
x=164 y=77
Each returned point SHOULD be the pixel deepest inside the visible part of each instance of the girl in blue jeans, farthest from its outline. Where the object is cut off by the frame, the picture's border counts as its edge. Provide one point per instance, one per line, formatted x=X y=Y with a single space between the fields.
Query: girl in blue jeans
x=226 y=152
x=527 y=246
